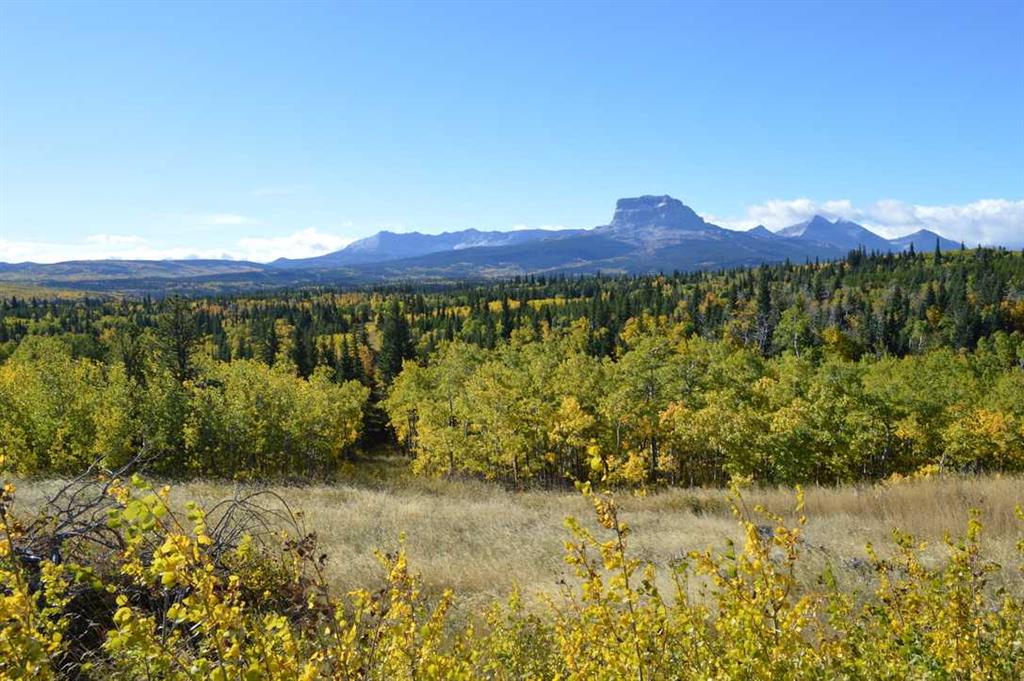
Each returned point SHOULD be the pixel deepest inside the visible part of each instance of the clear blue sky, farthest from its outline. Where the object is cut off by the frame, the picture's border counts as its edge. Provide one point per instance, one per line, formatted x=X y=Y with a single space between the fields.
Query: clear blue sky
x=247 y=128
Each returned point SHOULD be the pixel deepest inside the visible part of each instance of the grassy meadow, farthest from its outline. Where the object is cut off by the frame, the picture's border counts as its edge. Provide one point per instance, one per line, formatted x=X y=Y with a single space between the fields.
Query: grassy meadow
x=483 y=540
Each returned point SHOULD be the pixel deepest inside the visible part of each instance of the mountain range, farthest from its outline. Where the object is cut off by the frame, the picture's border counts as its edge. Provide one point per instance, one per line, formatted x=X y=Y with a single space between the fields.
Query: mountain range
x=646 y=234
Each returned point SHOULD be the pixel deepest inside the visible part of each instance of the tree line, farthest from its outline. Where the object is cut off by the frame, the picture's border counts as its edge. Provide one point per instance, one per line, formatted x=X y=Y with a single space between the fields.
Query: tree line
x=686 y=410
x=161 y=394
x=862 y=367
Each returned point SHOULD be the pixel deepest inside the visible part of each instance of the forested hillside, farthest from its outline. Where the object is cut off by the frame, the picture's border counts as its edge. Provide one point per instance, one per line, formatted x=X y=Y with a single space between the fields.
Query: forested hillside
x=834 y=371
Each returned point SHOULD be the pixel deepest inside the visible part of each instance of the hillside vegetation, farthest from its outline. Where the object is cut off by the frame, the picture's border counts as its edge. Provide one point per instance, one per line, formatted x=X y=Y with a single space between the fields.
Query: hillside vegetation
x=848 y=370
x=892 y=385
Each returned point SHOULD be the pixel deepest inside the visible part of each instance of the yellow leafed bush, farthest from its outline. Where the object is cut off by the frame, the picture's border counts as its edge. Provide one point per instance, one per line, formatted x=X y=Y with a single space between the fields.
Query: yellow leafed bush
x=184 y=605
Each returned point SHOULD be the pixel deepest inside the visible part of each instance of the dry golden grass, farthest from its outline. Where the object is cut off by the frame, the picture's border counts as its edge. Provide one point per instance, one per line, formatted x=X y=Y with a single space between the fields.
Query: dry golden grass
x=482 y=540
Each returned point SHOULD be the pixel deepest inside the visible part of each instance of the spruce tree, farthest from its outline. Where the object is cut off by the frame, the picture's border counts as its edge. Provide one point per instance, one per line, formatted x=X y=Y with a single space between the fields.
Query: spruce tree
x=178 y=338
x=395 y=345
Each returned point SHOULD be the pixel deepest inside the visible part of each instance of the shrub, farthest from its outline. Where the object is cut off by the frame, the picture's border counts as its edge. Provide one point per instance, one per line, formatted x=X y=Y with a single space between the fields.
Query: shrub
x=190 y=597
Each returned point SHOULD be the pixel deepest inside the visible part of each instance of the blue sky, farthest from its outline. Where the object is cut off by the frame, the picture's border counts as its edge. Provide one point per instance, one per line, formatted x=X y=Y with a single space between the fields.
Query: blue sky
x=261 y=129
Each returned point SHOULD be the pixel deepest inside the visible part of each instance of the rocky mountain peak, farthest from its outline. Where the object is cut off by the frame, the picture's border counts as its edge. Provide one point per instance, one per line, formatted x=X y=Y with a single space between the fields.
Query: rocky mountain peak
x=761 y=231
x=654 y=211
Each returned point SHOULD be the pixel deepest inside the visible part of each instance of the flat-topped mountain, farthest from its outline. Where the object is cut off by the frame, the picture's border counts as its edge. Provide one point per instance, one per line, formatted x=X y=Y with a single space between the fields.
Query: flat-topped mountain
x=654 y=212
x=653 y=222
x=645 y=234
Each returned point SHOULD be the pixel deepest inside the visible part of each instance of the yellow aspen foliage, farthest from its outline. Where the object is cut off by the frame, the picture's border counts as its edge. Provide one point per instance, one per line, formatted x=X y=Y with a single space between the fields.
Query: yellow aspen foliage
x=182 y=607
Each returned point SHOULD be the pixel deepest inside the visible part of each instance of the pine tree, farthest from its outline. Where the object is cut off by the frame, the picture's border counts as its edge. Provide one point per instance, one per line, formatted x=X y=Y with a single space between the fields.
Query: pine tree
x=178 y=338
x=395 y=345
x=345 y=369
x=303 y=352
x=266 y=342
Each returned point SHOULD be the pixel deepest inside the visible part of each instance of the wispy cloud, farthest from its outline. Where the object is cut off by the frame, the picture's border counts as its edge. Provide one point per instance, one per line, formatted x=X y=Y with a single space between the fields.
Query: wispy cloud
x=115 y=240
x=100 y=247
x=987 y=221
x=301 y=244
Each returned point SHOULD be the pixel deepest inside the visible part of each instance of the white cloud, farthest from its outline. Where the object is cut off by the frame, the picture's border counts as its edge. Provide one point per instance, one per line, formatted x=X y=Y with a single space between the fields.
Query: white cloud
x=115 y=240
x=22 y=251
x=98 y=247
x=301 y=244
x=987 y=221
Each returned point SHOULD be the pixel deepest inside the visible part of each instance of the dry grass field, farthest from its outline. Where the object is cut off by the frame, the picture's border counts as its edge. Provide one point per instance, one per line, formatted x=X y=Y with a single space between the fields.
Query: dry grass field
x=482 y=540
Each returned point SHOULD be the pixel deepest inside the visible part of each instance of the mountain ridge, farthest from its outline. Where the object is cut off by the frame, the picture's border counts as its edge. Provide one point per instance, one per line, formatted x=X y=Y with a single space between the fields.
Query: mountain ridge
x=397 y=245
x=646 y=234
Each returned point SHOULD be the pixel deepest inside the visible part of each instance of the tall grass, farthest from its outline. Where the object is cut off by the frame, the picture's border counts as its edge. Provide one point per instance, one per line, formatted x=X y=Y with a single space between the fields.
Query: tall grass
x=482 y=540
